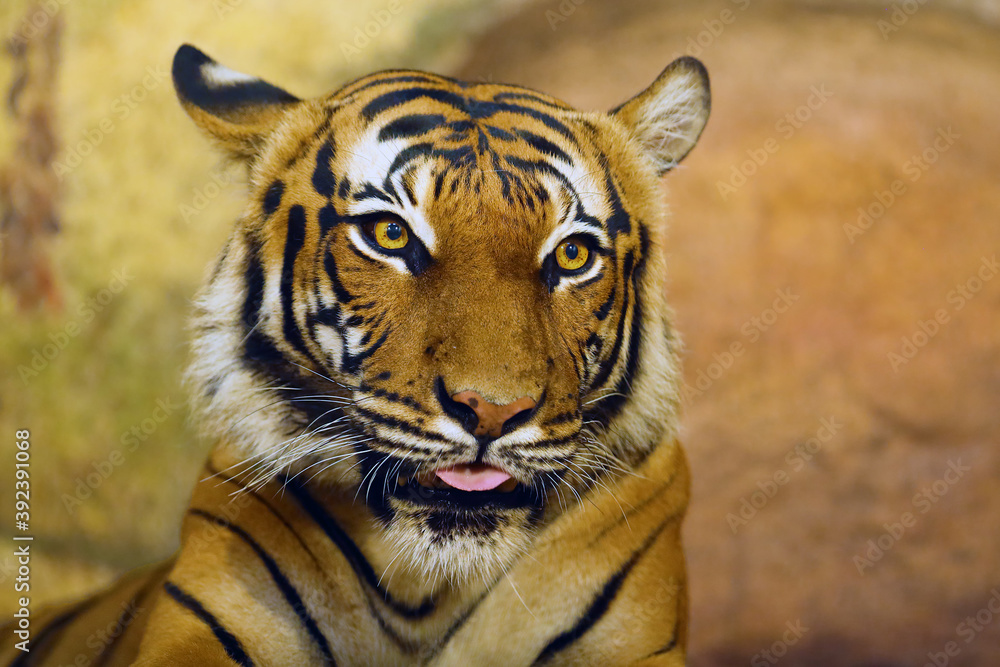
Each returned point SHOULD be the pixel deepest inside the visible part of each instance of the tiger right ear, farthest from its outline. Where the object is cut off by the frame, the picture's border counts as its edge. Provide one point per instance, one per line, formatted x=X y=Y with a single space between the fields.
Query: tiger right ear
x=667 y=118
x=237 y=110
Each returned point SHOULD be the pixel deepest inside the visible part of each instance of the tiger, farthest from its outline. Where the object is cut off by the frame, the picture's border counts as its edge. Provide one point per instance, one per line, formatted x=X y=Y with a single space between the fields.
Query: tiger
x=442 y=386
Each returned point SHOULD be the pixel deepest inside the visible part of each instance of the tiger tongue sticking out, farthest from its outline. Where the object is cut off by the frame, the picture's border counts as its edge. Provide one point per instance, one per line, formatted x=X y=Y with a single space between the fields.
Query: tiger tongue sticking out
x=473 y=477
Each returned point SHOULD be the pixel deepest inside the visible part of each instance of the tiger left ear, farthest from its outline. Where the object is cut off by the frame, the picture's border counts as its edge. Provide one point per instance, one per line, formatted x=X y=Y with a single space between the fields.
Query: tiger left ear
x=668 y=117
x=238 y=110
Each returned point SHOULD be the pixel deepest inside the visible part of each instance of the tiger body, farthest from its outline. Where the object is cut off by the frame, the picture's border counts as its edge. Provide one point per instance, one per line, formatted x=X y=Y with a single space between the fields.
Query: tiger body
x=443 y=382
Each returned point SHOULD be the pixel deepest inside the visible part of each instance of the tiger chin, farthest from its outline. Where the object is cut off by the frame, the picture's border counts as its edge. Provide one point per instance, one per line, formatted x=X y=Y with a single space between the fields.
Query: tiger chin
x=443 y=382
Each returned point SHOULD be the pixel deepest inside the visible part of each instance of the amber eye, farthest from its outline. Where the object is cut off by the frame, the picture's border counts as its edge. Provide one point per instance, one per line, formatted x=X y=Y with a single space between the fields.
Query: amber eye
x=572 y=255
x=390 y=234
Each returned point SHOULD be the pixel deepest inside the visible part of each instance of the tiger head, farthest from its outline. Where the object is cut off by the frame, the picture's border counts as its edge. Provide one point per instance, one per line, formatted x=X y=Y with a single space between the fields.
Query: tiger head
x=443 y=298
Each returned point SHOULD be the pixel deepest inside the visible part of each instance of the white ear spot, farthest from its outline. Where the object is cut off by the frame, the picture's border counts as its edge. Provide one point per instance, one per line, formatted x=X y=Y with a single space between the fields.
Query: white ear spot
x=219 y=76
x=668 y=117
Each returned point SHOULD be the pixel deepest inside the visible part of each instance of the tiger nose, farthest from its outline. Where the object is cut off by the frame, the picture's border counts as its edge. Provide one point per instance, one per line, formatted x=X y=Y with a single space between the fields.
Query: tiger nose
x=492 y=417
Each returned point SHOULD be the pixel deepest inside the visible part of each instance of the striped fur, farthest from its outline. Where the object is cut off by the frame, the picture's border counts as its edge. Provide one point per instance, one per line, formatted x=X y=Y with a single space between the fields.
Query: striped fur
x=323 y=364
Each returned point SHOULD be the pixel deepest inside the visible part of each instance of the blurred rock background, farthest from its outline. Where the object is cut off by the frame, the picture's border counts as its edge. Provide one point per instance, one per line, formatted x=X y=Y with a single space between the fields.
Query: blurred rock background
x=832 y=264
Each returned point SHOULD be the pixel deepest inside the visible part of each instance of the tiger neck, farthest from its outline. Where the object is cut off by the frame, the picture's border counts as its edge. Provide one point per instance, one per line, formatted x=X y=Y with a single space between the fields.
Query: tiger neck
x=341 y=534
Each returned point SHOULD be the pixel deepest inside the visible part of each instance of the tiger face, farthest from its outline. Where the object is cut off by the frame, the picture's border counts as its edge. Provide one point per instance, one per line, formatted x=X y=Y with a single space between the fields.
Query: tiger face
x=443 y=298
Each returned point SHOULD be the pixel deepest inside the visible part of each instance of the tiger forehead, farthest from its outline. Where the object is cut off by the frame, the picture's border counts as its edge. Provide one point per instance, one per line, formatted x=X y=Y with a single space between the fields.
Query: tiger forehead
x=403 y=137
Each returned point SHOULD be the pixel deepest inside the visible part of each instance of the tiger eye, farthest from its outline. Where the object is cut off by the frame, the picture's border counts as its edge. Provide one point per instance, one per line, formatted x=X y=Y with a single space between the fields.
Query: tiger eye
x=571 y=255
x=391 y=235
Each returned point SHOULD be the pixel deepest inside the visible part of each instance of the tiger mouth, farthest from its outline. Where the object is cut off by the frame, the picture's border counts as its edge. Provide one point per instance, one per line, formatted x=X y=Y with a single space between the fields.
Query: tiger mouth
x=434 y=489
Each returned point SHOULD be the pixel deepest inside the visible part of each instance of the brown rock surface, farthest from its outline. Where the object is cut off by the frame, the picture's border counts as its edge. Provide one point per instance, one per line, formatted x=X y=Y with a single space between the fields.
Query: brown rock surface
x=853 y=298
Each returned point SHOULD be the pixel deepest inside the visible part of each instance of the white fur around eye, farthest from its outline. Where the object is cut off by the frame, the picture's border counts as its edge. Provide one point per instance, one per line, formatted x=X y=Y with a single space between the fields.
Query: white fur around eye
x=356 y=237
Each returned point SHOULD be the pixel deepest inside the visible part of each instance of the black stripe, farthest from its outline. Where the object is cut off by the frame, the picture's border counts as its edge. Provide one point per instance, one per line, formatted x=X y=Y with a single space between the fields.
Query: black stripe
x=411 y=126
x=281 y=581
x=543 y=118
x=532 y=166
x=396 y=98
x=403 y=158
x=601 y=602
x=253 y=277
x=670 y=646
x=602 y=312
x=328 y=219
x=544 y=146
x=295 y=238
x=352 y=362
x=330 y=264
x=272 y=198
x=619 y=221
x=608 y=365
x=501 y=97
x=234 y=649
x=403 y=426
x=405 y=78
x=49 y=633
x=322 y=178
x=358 y=562
x=623 y=390
x=499 y=133
x=369 y=191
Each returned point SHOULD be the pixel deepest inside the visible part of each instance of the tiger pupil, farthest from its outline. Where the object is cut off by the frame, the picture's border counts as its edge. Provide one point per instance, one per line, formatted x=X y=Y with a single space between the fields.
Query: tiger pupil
x=572 y=251
x=393 y=231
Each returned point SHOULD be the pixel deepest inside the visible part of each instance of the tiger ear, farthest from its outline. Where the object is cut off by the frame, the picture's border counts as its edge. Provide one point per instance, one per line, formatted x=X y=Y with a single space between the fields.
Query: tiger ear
x=237 y=110
x=667 y=118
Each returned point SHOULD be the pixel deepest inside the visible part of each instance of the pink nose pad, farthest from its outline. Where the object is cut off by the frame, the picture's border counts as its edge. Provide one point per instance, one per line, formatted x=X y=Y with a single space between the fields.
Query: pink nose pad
x=492 y=417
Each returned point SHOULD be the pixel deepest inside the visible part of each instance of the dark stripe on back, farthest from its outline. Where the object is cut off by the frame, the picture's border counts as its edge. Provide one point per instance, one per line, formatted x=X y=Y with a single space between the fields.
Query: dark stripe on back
x=234 y=649
x=601 y=602
x=280 y=580
x=350 y=550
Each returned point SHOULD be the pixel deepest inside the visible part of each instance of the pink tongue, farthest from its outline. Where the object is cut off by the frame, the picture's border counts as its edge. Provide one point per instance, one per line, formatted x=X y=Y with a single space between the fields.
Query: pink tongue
x=473 y=477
